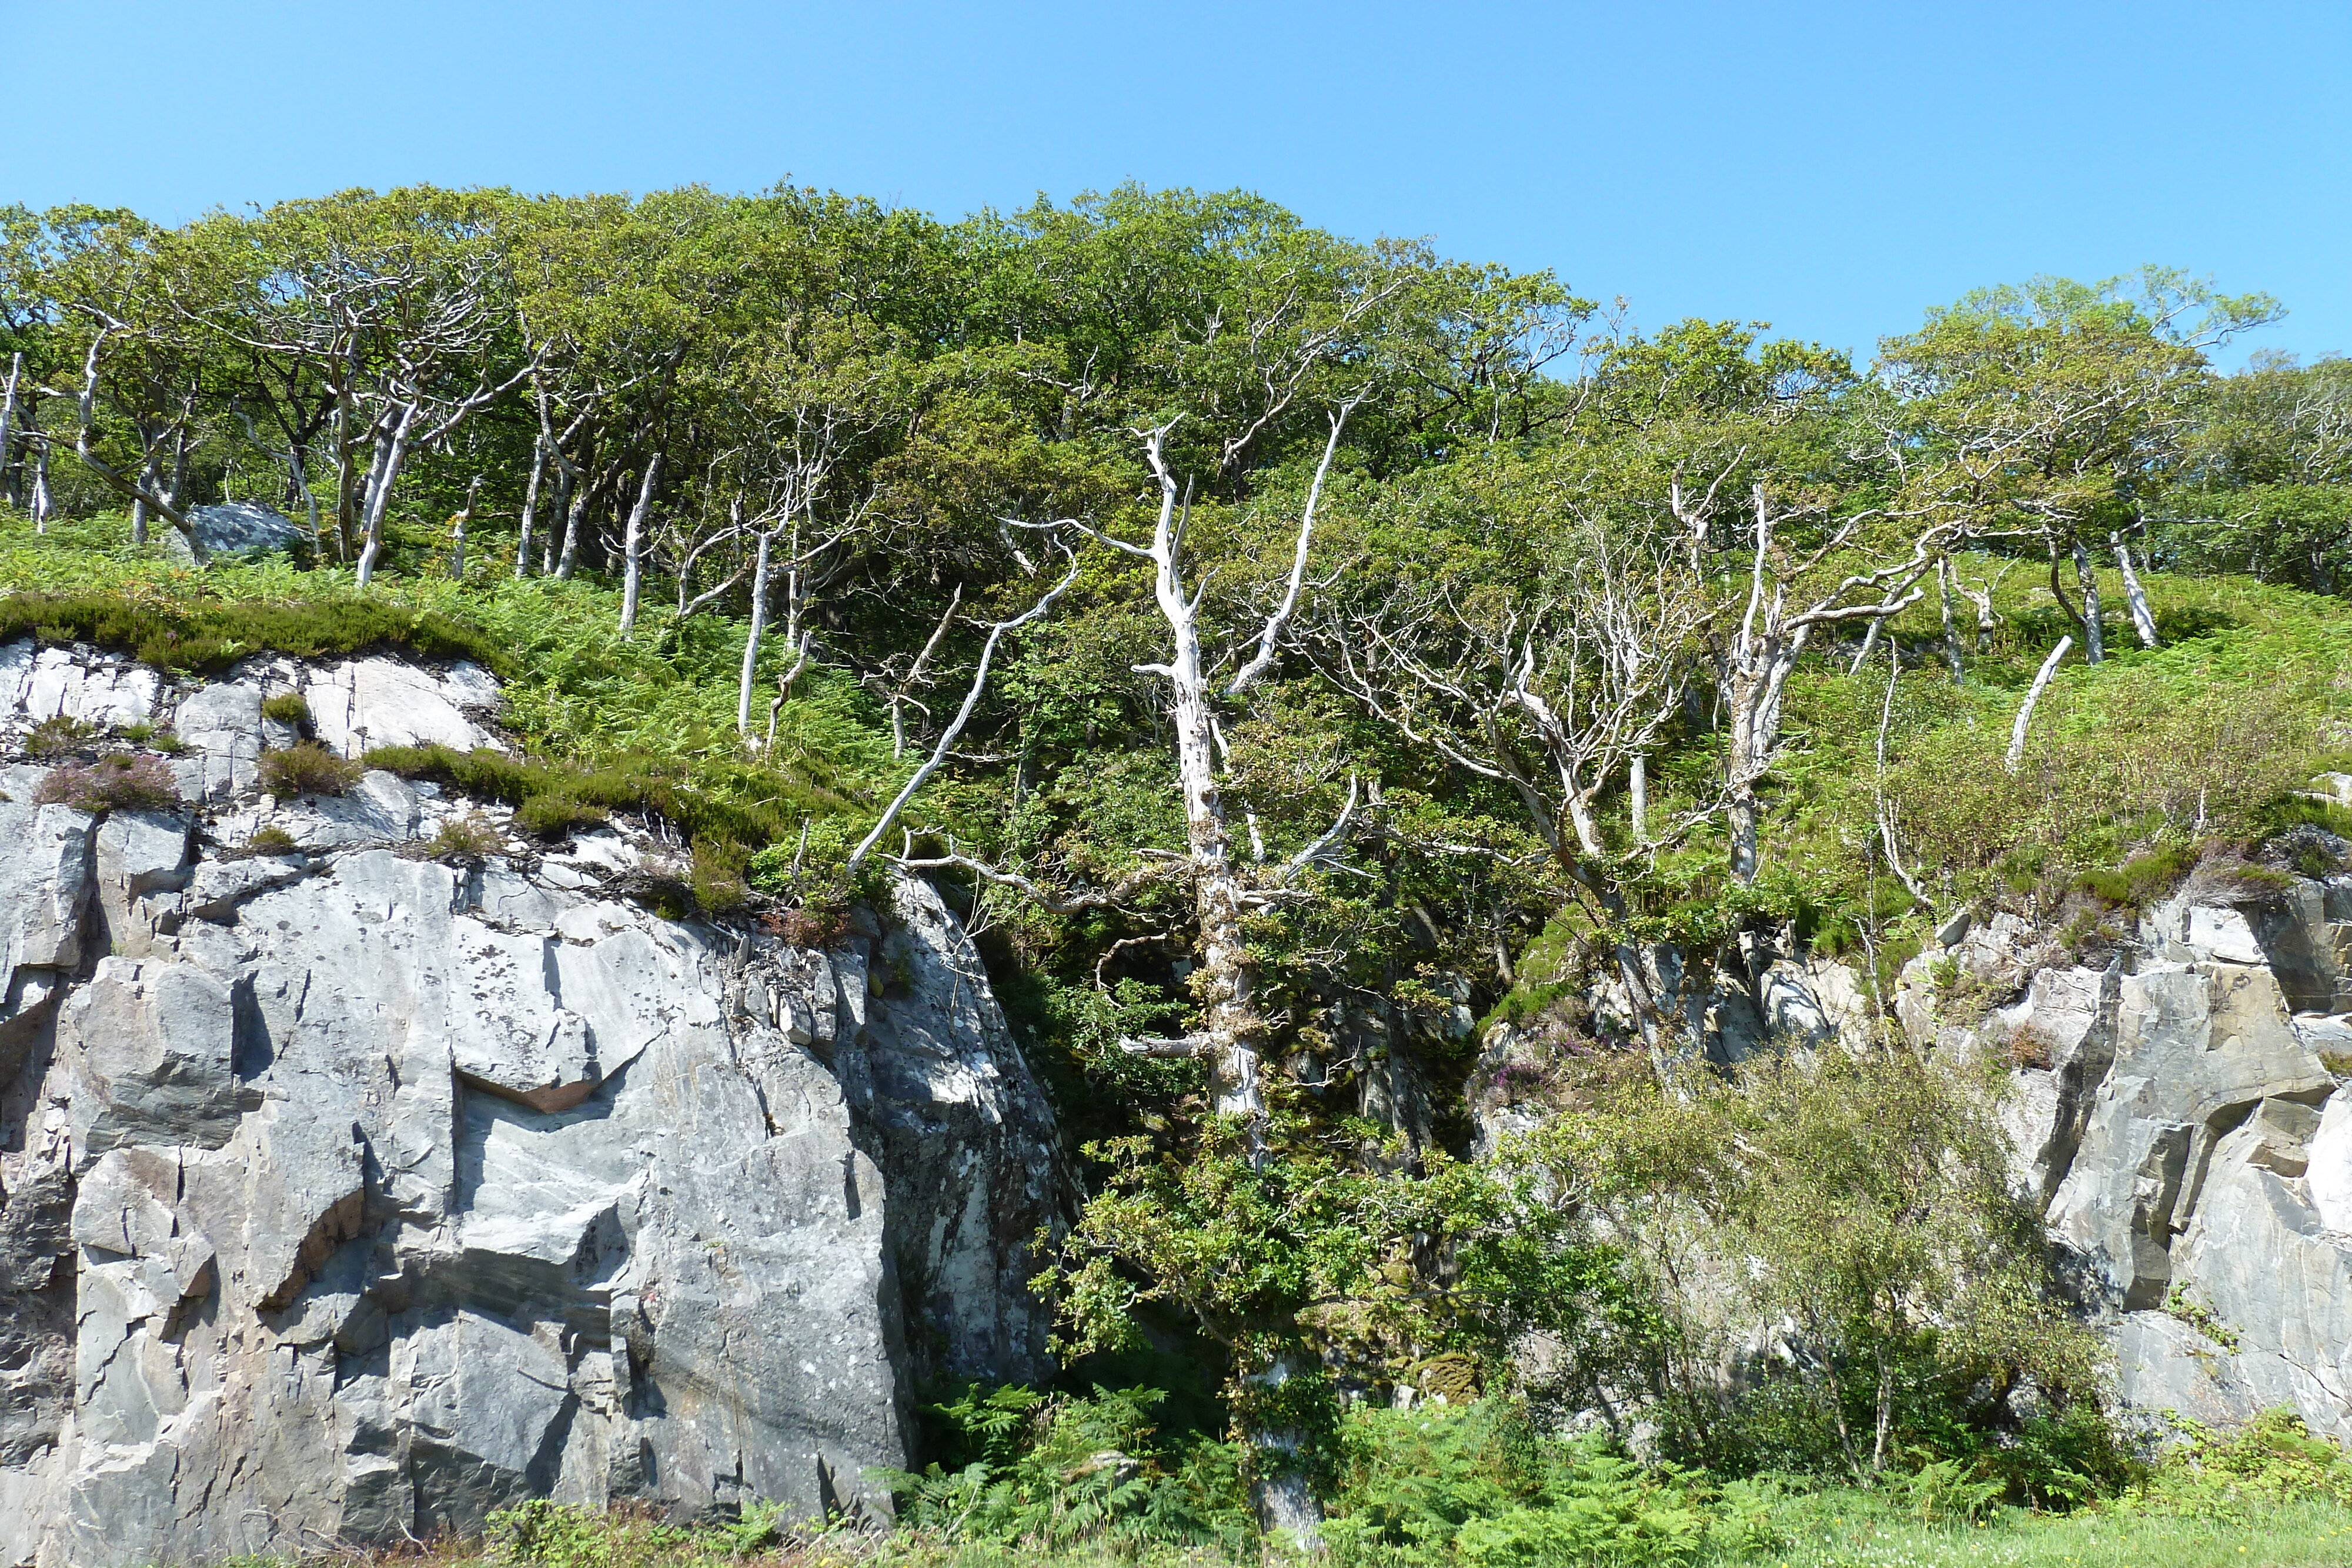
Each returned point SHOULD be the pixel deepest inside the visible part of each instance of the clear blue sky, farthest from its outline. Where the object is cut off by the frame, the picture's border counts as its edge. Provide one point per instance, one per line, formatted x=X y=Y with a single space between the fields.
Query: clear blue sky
x=1829 y=168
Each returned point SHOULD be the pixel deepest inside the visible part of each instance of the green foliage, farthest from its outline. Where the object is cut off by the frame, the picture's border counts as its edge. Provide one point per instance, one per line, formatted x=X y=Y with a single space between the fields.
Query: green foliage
x=2229 y=1475
x=196 y=632
x=469 y=838
x=59 y=735
x=539 y=1534
x=271 y=840
x=287 y=708
x=2143 y=880
x=1480 y=1484
x=1057 y=1471
x=307 y=768
x=118 y=781
x=1865 y=1201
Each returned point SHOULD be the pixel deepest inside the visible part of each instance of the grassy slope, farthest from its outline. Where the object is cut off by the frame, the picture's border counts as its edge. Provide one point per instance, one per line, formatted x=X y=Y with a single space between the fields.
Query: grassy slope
x=577 y=690
x=661 y=703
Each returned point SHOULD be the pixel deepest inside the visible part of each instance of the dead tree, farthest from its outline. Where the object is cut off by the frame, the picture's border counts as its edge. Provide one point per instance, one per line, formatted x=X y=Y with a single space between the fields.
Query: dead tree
x=1553 y=697
x=1791 y=594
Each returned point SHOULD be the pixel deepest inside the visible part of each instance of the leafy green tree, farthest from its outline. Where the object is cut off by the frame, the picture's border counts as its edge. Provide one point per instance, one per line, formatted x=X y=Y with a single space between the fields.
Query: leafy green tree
x=2055 y=412
x=1850 y=1214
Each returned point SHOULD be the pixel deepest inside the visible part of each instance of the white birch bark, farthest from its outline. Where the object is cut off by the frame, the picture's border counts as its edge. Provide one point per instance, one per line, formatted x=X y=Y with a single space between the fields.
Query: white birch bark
x=530 y=505
x=758 y=626
x=381 y=472
x=2143 y=618
x=633 y=546
x=2095 y=647
x=2032 y=696
x=8 y=420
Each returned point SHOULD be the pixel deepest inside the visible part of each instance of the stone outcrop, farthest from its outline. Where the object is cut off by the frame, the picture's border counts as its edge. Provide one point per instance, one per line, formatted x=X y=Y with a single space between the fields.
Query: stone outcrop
x=346 y=1194
x=2174 y=1112
x=236 y=530
x=2177 y=1122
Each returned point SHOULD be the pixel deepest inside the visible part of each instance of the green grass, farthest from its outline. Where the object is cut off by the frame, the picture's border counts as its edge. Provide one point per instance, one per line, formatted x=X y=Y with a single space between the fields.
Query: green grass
x=1855 y=1532
x=606 y=723
x=1838 y=1529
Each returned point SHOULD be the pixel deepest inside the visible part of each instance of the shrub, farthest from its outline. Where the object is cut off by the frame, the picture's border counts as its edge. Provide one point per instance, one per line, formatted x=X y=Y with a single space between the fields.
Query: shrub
x=271 y=840
x=2273 y=1459
x=1057 y=1471
x=307 y=769
x=718 y=876
x=1479 y=1484
x=132 y=783
x=212 y=634
x=2143 y=880
x=59 y=735
x=552 y=816
x=468 y=837
x=287 y=708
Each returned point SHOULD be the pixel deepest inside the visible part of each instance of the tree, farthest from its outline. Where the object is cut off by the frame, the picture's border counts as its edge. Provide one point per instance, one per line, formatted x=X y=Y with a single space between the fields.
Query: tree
x=396 y=308
x=115 y=279
x=2056 y=411
x=1849 y=1213
x=1535 y=637
x=2265 y=483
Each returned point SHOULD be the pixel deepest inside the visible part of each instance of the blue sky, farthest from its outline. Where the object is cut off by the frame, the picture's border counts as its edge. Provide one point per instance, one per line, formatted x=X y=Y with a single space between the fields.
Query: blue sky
x=1829 y=168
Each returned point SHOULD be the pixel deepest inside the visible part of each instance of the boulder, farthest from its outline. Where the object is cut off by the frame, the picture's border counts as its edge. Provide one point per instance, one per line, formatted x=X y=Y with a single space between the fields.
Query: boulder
x=236 y=530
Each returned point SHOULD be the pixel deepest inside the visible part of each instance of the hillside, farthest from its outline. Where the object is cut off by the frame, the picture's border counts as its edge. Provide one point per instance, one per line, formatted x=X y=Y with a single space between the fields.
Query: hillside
x=1478 y=936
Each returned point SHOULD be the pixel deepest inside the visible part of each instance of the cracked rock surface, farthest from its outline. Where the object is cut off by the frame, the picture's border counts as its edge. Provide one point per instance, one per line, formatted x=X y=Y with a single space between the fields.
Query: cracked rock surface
x=2180 y=1125
x=347 y=1194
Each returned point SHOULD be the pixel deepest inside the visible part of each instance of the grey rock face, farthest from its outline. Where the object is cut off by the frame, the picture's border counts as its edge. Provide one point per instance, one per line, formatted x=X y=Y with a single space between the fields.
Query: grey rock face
x=2176 y=1124
x=235 y=528
x=348 y=1195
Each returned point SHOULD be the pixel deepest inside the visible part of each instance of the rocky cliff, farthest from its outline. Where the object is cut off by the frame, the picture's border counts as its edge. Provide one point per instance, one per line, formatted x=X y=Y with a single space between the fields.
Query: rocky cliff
x=348 y=1193
x=2177 y=1122
x=2176 y=1113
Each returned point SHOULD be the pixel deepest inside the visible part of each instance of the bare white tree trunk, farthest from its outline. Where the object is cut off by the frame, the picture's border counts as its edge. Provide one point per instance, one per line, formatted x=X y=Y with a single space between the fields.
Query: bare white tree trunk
x=572 y=500
x=758 y=626
x=2032 y=696
x=381 y=474
x=458 y=531
x=633 y=546
x=124 y=484
x=948 y=737
x=903 y=697
x=1869 y=646
x=8 y=420
x=2094 y=648
x=2143 y=618
x=1764 y=650
x=1952 y=621
x=1287 y=1505
x=530 y=505
x=42 y=503
x=1637 y=780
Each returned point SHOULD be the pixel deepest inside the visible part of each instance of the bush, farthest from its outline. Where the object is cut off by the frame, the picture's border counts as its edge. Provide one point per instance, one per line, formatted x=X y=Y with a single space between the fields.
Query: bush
x=271 y=840
x=287 y=708
x=1056 y=1470
x=59 y=735
x=307 y=769
x=1479 y=1484
x=130 y=783
x=2143 y=880
x=468 y=837
x=2273 y=1459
